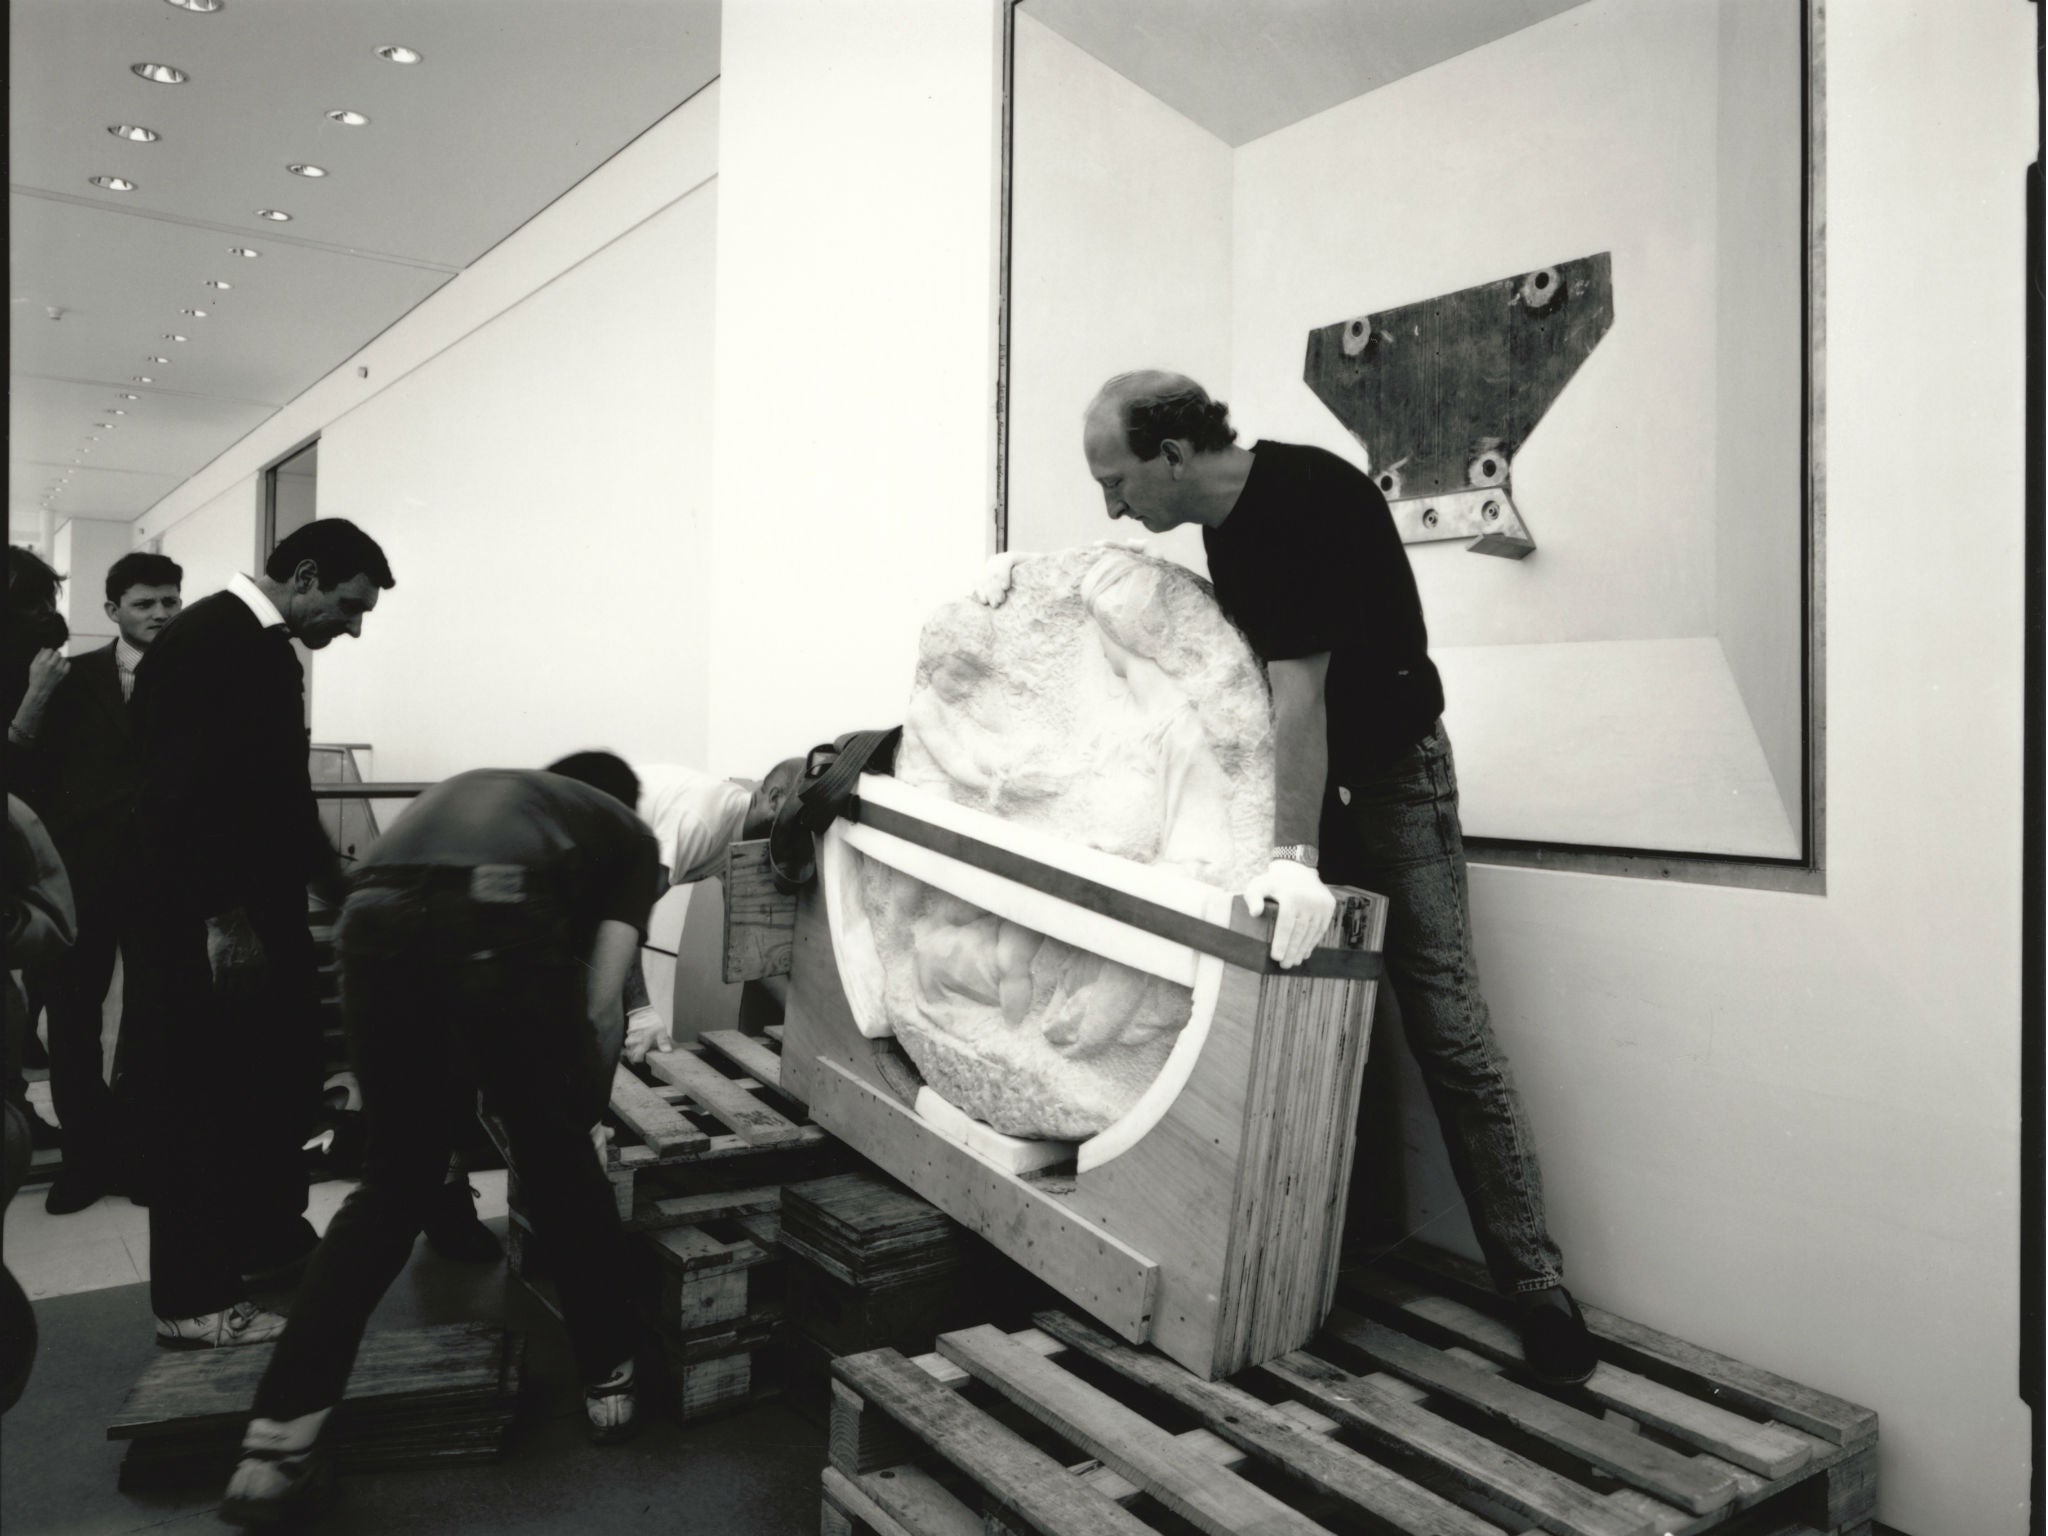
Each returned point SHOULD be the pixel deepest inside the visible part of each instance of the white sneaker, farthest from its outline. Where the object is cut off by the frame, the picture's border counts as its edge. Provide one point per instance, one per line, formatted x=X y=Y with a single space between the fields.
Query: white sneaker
x=243 y=1323
x=281 y=1472
x=609 y=1407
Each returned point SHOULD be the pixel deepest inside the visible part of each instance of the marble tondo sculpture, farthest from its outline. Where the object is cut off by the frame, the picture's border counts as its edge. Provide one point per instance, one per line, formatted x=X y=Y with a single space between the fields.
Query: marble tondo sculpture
x=1109 y=702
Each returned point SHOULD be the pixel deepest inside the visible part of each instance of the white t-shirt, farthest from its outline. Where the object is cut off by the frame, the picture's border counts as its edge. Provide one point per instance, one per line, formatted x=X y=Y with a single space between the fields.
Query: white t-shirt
x=694 y=817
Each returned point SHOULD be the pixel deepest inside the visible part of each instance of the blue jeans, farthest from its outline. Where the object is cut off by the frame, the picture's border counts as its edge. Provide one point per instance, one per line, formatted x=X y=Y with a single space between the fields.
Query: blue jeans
x=1396 y=832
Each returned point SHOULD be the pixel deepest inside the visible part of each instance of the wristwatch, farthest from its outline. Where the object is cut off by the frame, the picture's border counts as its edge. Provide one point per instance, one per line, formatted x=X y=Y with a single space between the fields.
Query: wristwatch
x=1299 y=853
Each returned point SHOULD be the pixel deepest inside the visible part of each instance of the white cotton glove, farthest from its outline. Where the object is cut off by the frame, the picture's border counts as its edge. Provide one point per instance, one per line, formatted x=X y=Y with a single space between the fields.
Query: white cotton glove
x=1304 y=908
x=600 y=1138
x=645 y=1032
x=993 y=585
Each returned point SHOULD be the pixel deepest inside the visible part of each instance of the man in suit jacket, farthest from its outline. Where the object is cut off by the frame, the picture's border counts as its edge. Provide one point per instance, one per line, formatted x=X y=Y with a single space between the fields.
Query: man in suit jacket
x=78 y=768
x=230 y=999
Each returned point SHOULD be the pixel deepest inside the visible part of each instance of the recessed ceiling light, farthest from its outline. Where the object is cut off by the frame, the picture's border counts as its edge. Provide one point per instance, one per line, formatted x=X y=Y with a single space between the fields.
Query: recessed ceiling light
x=244 y=251
x=114 y=183
x=156 y=359
x=172 y=336
x=276 y=216
x=132 y=133
x=203 y=7
x=300 y=168
x=143 y=378
x=108 y=425
x=131 y=397
x=398 y=54
x=162 y=74
x=197 y=314
x=214 y=282
x=117 y=411
x=346 y=118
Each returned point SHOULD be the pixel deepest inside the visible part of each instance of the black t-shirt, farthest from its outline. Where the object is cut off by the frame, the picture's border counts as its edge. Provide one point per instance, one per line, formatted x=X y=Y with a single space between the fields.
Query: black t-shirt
x=579 y=840
x=1309 y=561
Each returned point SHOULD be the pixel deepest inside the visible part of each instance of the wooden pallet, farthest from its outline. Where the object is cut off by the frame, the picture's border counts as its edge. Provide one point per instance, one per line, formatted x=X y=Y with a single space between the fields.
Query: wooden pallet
x=416 y=1398
x=709 y=1119
x=1416 y=1418
x=718 y=1314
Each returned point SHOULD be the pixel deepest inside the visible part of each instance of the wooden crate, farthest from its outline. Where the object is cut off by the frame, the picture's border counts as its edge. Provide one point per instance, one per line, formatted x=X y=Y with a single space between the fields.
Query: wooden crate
x=718 y=1315
x=1210 y=1231
x=1417 y=1418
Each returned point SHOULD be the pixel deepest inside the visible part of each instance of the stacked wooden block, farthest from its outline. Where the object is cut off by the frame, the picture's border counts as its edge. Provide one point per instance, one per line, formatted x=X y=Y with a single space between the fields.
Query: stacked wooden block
x=870 y=1264
x=420 y=1397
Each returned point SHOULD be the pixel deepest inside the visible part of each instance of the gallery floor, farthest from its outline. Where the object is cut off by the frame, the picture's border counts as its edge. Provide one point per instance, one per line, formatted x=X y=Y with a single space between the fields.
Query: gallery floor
x=756 y=1471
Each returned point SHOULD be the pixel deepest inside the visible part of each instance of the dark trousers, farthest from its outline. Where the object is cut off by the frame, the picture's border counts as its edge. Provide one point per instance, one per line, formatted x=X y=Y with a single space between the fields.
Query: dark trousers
x=231 y=1091
x=76 y=988
x=441 y=992
x=1397 y=832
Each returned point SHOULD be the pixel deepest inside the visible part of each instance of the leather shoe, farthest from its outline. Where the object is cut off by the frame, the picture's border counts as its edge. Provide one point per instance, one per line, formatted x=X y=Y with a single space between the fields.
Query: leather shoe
x=1555 y=1341
x=284 y=1471
x=453 y=1230
x=74 y=1190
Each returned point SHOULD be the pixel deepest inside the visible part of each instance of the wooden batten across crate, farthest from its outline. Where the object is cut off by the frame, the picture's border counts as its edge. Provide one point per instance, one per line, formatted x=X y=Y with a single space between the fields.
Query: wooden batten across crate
x=1207 y=1221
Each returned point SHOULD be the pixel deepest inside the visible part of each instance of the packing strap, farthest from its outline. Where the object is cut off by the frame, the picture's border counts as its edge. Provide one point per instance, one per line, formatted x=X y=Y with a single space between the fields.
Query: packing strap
x=1243 y=950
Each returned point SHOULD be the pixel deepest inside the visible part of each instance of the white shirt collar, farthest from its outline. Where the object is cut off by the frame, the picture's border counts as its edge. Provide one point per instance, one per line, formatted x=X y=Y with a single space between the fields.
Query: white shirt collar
x=126 y=656
x=252 y=595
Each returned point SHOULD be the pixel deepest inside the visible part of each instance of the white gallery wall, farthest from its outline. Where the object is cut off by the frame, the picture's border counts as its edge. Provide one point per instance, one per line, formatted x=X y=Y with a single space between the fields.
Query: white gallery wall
x=856 y=364
x=83 y=551
x=1123 y=208
x=220 y=536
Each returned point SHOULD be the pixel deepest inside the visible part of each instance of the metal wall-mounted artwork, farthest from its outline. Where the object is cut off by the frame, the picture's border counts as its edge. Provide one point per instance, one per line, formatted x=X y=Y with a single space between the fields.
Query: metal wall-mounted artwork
x=1442 y=394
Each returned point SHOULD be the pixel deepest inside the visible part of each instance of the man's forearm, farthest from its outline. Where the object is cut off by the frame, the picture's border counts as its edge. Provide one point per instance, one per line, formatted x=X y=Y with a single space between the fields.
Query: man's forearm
x=1301 y=750
x=634 y=993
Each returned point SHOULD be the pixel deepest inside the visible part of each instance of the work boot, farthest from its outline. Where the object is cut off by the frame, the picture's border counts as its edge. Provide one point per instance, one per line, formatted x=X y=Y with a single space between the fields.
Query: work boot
x=453 y=1230
x=243 y=1323
x=609 y=1407
x=283 y=1471
x=1554 y=1338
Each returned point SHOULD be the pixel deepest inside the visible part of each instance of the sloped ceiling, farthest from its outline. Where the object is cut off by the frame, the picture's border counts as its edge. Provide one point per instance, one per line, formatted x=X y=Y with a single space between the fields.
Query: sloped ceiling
x=511 y=103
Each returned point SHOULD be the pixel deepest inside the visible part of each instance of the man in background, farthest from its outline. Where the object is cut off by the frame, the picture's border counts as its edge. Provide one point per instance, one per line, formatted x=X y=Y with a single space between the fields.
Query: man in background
x=32 y=663
x=484 y=945
x=695 y=817
x=76 y=764
x=228 y=1036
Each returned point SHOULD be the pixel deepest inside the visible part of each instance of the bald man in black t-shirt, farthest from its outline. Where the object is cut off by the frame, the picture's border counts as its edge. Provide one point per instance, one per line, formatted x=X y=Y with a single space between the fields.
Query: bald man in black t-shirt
x=485 y=941
x=1307 y=562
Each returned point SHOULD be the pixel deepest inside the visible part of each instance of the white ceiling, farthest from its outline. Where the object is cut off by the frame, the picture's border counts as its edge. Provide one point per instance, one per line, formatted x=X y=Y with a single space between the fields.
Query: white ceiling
x=1245 y=68
x=513 y=103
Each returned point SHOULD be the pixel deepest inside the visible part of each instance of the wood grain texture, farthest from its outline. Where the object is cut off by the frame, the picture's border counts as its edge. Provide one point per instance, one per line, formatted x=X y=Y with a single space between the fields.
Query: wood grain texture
x=751 y=1120
x=1208 y=1496
x=1267 y=1433
x=1767 y=1449
x=759 y=919
x=651 y=1118
x=1012 y=1471
x=1684 y=1481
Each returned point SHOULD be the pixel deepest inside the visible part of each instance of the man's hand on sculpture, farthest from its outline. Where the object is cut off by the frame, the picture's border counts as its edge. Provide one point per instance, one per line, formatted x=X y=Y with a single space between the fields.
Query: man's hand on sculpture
x=994 y=583
x=1304 y=907
x=645 y=1032
x=234 y=953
